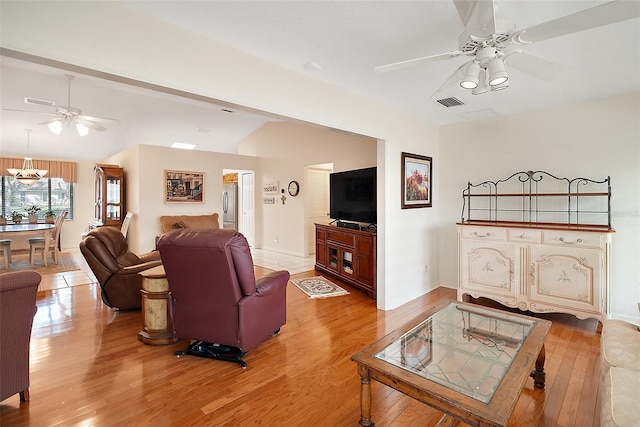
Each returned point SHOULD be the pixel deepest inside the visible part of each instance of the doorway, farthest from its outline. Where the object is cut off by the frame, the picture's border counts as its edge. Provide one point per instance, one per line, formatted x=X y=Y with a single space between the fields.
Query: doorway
x=243 y=207
x=317 y=201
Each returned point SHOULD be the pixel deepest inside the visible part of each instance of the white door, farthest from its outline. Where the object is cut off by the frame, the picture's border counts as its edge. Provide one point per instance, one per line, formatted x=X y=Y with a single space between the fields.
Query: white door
x=318 y=203
x=248 y=210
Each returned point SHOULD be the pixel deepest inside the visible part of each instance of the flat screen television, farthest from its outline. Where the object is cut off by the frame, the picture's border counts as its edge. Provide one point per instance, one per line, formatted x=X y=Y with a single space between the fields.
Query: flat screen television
x=353 y=196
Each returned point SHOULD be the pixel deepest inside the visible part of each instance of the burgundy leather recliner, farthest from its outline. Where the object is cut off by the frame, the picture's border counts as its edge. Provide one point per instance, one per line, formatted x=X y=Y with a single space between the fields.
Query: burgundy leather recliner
x=215 y=298
x=116 y=267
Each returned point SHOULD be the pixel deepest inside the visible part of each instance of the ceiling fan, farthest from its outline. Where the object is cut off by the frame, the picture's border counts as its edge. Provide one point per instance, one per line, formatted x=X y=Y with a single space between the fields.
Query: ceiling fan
x=68 y=115
x=489 y=42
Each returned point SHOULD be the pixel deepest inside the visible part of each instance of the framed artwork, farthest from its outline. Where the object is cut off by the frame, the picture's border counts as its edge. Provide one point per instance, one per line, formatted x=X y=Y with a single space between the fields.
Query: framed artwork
x=183 y=187
x=416 y=181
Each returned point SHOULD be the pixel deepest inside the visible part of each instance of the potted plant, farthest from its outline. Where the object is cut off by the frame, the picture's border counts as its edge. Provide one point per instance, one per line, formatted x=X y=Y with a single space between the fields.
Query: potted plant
x=16 y=217
x=49 y=216
x=33 y=214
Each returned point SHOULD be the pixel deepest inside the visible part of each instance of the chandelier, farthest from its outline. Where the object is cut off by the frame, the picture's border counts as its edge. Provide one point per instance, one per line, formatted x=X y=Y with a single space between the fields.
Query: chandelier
x=28 y=175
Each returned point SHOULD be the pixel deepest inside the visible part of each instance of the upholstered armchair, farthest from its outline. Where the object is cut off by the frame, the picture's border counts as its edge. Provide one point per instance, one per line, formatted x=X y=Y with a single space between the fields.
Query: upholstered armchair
x=215 y=297
x=116 y=267
x=18 y=292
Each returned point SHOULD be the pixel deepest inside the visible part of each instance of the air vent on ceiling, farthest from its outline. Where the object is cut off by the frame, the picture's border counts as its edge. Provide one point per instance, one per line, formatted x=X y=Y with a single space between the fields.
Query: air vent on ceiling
x=450 y=102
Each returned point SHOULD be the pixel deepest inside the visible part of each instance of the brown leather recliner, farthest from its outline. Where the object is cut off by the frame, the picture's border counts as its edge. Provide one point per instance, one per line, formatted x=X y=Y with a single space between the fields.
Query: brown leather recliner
x=215 y=298
x=116 y=267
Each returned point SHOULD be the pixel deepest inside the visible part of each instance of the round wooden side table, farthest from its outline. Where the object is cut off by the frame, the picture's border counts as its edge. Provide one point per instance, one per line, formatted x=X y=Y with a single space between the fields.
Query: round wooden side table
x=155 y=307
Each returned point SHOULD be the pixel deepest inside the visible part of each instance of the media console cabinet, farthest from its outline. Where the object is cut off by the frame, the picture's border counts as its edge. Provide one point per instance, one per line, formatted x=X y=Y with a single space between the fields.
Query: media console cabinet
x=543 y=251
x=347 y=254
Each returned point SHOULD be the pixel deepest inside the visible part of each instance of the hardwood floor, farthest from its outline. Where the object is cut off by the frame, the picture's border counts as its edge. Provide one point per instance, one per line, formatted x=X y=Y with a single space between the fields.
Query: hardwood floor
x=88 y=368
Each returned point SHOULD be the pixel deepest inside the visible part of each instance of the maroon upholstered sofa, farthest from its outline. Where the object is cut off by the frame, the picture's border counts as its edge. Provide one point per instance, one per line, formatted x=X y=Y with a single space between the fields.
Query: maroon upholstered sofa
x=215 y=297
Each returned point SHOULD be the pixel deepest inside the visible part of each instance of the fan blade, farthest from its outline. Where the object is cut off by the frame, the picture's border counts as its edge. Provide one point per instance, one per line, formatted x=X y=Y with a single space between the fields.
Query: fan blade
x=409 y=62
x=100 y=119
x=531 y=64
x=605 y=14
x=88 y=123
x=36 y=101
x=27 y=111
x=456 y=76
x=478 y=17
x=50 y=121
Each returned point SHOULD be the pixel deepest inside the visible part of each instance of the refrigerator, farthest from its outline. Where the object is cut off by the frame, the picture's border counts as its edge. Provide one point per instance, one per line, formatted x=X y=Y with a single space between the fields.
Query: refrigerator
x=230 y=206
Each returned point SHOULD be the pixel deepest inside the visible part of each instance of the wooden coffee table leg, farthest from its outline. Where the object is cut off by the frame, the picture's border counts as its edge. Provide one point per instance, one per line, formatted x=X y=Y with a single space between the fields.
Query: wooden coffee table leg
x=538 y=374
x=365 y=397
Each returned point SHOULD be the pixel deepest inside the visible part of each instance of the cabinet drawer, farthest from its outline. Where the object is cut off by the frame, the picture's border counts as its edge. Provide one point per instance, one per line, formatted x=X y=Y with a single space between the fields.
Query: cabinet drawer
x=484 y=233
x=344 y=238
x=524 y=236
x=571 y=238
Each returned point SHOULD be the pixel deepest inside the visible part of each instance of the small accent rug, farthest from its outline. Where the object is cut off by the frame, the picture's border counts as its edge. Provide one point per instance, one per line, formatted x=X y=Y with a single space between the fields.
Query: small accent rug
x=318 y=287
x=20 y=261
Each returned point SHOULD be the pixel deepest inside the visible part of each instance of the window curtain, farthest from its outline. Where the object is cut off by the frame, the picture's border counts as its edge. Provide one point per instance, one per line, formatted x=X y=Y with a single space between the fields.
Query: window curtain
x=68 y=171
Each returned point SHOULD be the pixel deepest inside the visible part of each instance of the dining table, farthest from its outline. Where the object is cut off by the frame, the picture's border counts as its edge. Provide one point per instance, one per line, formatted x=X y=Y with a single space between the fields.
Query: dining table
x=37 y=229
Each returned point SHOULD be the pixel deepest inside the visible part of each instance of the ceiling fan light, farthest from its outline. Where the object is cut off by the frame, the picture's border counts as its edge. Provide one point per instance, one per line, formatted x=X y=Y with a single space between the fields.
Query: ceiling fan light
x=497 y=72
x=55 y=127
x=470 y=80
x=483 y=86
x=82 y=129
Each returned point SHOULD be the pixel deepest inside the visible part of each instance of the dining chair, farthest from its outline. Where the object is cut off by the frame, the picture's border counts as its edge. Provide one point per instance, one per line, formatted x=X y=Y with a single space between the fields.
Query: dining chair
x=38 y=243
x=125 y=224
x=5 y=247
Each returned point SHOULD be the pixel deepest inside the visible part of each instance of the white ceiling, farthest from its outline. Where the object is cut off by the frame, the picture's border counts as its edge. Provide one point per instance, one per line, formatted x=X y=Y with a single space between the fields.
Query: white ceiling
x=346 y=39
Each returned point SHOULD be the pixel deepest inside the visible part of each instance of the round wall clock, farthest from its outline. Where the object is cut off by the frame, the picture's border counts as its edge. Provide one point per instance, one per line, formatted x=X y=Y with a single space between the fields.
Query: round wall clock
x=294 y=188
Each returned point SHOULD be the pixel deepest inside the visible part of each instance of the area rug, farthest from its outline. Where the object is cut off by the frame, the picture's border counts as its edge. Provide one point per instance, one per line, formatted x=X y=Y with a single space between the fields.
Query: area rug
x=20 y=261
x=318 y=287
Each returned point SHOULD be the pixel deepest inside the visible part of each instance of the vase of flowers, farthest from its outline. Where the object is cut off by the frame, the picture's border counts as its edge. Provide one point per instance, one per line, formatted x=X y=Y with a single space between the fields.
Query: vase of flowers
x=49 y=216
x=16 y=217
x=33 y=214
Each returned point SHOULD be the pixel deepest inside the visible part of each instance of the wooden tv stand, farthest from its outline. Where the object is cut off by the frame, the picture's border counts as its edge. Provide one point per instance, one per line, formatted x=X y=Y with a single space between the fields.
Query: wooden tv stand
x=347 y=254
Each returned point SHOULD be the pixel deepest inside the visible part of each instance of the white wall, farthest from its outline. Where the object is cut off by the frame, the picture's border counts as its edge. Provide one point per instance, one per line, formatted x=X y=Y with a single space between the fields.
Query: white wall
x=591 y=139
x=284 y=149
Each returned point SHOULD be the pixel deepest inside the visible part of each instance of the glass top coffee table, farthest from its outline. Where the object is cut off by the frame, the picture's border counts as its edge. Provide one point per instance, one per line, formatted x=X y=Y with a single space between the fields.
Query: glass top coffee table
x=468 y=361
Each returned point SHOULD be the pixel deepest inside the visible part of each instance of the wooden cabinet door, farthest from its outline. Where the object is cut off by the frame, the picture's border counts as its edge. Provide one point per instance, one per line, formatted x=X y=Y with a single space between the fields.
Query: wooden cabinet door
x=321 y=247
x=566 y=277
x=364 y=260
x=489 y=268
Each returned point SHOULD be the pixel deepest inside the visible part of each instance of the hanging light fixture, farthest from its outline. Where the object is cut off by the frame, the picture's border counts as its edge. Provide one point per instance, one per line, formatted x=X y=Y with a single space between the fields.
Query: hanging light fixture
x=485 y=72
x=497 y=73
x=28 y=175
x=470 y=80
x=56 y=126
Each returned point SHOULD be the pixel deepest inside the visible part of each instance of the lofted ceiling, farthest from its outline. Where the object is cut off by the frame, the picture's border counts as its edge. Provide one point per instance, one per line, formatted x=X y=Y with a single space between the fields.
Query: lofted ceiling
x=339 y=42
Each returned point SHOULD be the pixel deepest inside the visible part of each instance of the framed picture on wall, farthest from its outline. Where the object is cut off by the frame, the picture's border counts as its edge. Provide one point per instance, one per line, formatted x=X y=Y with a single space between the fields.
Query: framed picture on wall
x=183 y=187
x=416 y=181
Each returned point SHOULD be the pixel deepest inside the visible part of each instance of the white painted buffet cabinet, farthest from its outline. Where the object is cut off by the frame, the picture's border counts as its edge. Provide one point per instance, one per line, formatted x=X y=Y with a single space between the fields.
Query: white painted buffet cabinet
x=537 y=242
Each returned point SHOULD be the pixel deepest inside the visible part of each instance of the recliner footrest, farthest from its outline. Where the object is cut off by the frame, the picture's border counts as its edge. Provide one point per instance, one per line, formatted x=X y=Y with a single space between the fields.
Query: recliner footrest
x=214 y=351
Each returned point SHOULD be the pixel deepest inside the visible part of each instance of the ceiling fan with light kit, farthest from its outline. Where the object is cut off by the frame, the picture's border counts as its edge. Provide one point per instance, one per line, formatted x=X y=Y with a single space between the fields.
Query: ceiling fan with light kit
x=492 y=42
x=68 y=115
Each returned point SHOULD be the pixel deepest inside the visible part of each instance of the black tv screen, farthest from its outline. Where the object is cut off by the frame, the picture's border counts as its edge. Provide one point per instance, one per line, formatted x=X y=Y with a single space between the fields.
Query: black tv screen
x=353 y=195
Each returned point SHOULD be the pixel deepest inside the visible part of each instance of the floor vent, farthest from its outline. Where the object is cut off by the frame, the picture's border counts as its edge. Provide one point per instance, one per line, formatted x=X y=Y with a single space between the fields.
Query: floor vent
x=450 y=102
